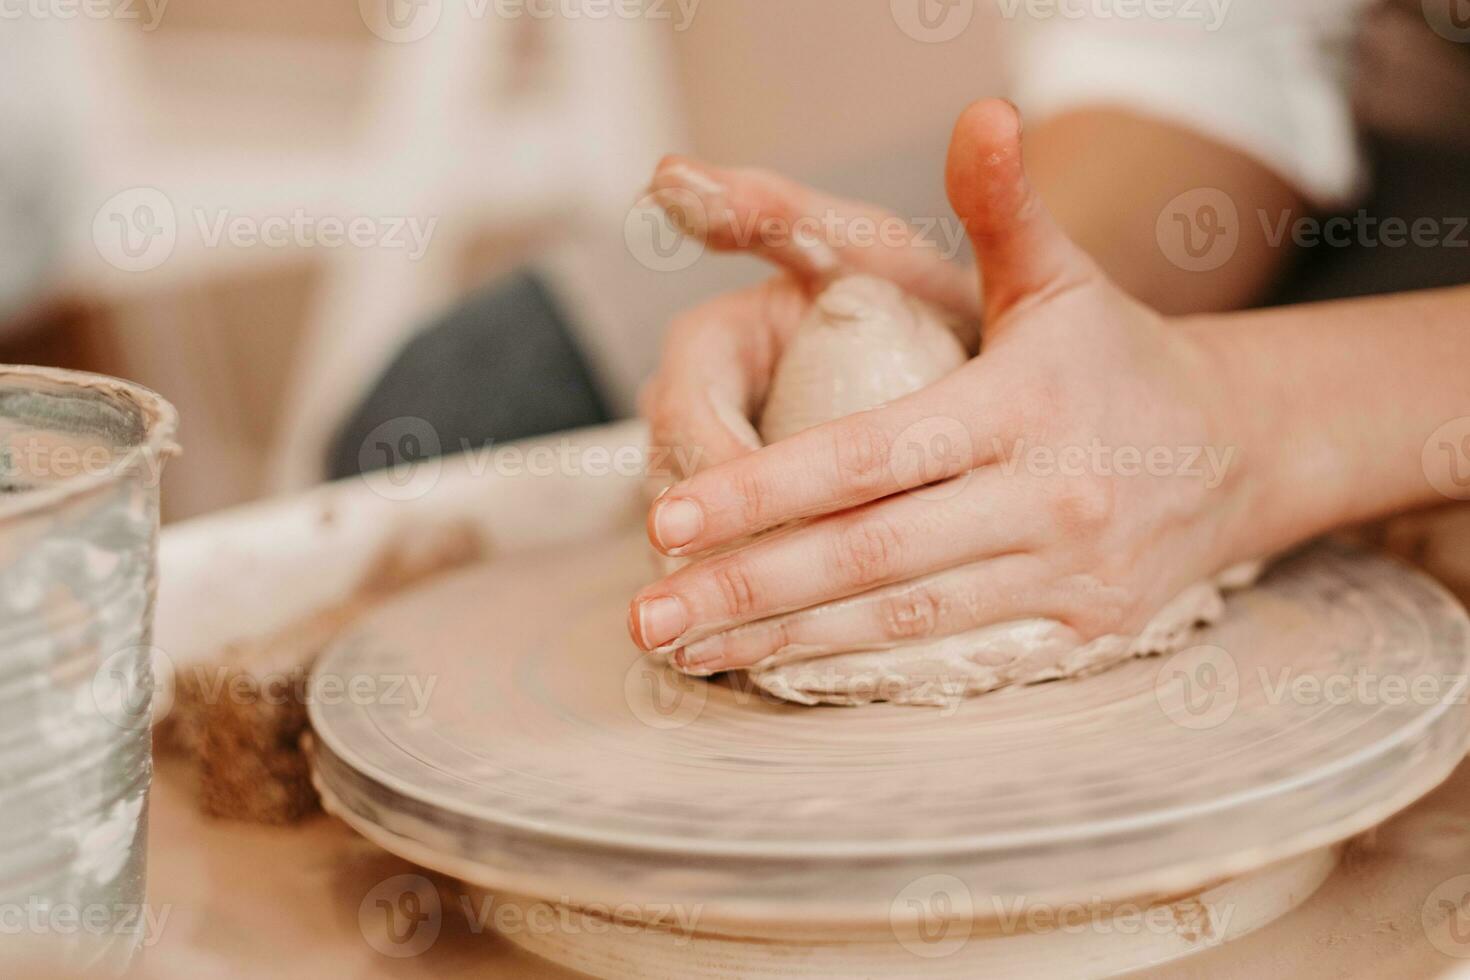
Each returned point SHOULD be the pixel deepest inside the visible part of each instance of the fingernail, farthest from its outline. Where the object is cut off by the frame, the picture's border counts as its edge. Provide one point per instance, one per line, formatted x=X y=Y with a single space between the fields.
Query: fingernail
x=660 y=620
x=704 y=657
x=676 y=523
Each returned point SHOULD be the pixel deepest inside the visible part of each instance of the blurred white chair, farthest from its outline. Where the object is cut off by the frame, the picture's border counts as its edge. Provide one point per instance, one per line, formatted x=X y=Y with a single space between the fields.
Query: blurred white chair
x=482 y=123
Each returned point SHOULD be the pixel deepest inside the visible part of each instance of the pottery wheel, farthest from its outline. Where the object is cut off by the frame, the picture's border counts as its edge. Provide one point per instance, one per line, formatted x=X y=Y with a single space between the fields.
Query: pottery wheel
x=549 y=759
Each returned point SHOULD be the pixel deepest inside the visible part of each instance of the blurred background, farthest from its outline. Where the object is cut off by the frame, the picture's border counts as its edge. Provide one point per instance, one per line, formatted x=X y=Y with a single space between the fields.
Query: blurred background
x=326 y=228
x=253 y=208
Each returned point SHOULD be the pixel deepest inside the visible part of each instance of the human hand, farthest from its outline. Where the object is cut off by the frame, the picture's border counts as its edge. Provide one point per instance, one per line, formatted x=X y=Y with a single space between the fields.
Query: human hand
x=1082 y=474
x=719 y=358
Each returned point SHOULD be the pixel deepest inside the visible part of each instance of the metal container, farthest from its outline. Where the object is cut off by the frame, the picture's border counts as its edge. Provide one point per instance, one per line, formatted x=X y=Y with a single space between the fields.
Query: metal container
x=80 y=461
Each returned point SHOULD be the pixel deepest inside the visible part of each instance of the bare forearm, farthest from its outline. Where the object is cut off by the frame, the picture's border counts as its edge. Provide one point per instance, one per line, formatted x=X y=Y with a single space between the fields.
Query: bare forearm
x=1335 y=409
x=1107 y=175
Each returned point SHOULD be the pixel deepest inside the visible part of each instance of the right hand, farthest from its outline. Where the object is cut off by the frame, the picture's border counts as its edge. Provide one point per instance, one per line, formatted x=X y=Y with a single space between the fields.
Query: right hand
x=719 y=357
x=1036 y=504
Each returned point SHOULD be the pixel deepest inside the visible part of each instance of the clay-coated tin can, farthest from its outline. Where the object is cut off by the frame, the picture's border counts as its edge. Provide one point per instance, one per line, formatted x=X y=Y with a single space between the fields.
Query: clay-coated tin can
x=80 y=461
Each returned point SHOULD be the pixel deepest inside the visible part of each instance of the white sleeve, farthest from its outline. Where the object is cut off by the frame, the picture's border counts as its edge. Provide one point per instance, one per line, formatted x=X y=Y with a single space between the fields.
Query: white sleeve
x=1271 y=78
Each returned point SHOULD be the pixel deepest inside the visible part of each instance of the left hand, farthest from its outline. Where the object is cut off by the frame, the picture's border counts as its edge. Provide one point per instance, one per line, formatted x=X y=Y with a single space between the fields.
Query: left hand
x=1007 y=511
x=719 y=357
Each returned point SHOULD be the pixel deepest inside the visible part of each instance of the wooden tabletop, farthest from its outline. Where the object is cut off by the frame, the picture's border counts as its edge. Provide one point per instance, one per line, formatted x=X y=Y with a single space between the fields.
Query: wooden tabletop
x=232 y=899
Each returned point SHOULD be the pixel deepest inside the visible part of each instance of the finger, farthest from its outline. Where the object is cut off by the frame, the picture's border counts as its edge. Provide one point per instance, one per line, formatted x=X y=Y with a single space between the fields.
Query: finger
x=841 y=555
x=1002 y=589
x=693 y=427
x=948 y=429
x=1021 y=251
x=716 y=364
x=811 y=234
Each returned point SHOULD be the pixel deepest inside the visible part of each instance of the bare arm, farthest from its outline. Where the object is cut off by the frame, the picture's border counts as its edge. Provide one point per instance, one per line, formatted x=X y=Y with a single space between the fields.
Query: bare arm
x=1107 y=174
x=1343 y=411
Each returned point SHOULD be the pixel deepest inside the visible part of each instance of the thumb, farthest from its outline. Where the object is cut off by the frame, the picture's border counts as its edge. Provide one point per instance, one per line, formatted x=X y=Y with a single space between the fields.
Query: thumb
x=1021 y=250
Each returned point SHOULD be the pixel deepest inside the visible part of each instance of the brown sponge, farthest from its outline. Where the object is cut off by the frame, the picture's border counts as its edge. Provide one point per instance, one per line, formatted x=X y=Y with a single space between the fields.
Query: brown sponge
x=240 y=716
